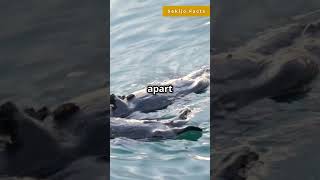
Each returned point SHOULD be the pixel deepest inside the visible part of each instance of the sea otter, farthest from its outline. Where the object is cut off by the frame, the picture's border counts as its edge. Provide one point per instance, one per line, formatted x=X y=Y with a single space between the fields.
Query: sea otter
x=279 y=64
x=174 y=128
x=142 y=101
x=35 y=149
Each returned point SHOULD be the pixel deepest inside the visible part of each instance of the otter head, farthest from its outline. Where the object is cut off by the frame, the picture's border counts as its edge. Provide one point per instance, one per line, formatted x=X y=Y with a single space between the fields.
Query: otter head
x=118 y=106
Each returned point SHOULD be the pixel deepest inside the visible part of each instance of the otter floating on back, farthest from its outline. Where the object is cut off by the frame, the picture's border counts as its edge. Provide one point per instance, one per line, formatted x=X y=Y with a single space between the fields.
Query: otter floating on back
x=196 y=82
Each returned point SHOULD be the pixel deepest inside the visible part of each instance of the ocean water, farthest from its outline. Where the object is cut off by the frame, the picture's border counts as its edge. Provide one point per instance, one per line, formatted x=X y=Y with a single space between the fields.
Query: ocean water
x=145 y=48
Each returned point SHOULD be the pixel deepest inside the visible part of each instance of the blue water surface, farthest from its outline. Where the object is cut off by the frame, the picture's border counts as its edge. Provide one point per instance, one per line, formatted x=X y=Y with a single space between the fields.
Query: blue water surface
x=146 y=48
